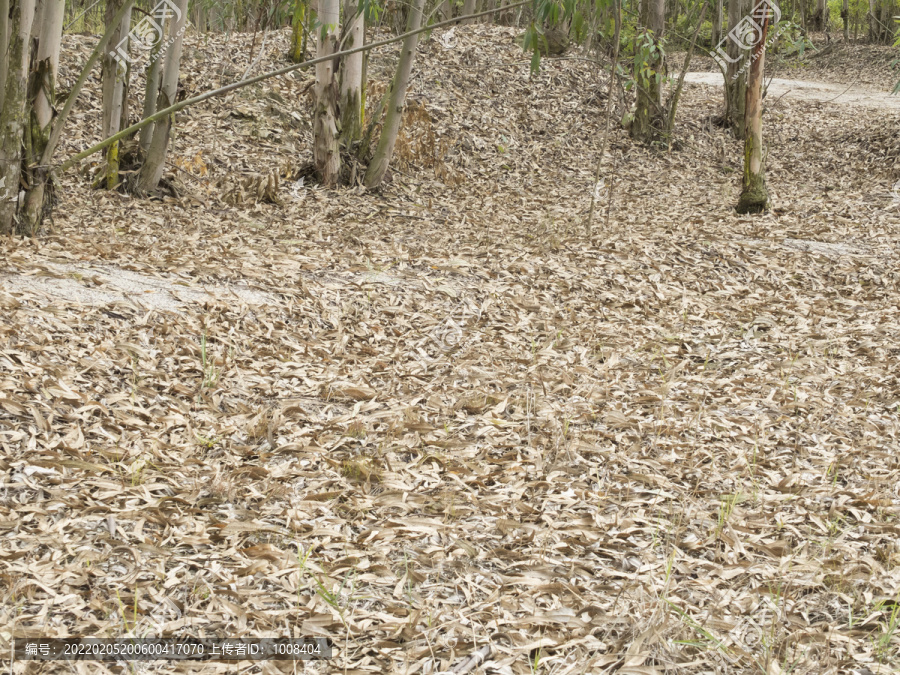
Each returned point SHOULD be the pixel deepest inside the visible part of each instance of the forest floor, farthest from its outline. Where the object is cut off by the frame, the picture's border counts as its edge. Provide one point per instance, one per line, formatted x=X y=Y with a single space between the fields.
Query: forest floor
x=451 y=414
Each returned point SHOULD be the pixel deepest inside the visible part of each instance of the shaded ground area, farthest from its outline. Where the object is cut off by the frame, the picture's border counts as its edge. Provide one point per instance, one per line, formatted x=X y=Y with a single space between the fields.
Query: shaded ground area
x=455 y=418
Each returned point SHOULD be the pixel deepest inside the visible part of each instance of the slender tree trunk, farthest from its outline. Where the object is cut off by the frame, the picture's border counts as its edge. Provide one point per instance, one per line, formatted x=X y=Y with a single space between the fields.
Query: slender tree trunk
x=717 y=23
x=352 y=86
x=887 y=22
x=4 y=47
x=151 y=91
x=845 y=15
x=155 y=162
x=42 y=87
x=649 y=120
x=873 y=24
x=200 y=17
x=820 y=17
x=48 y=48
x=326 y=150
x=114 y=75
x=735 y=75
x=384 y=152
x=468 y=8
x=13 y=119
x=754 y=196
x=298 y=34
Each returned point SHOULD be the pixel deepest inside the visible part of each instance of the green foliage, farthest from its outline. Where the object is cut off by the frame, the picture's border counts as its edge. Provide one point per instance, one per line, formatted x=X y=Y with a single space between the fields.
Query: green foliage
x=684 y=30
x=547 y=15
x=648 y=51
x=790 y=40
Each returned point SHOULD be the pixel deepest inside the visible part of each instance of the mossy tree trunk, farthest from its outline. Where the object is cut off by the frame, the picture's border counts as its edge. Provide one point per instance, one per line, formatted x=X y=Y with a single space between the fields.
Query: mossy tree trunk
x=114 y=74
x=649 y=117
x=41 y=98
x=14 y=117
x=754 y=196
x=298 y=32
x=326 y=149
x=4 y=47
x=352 y=85
x=384 y=152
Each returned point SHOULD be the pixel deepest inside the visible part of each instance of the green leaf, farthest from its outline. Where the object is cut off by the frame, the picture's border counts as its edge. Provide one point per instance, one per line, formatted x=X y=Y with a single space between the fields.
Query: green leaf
x=536 y=62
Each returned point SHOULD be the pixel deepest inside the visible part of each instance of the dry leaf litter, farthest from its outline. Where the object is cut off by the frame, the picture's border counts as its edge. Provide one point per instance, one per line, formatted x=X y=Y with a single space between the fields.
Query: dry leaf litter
x=441 y=417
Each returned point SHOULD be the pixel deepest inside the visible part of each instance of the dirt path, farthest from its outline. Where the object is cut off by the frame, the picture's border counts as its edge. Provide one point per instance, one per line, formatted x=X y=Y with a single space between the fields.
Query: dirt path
x=823 y=92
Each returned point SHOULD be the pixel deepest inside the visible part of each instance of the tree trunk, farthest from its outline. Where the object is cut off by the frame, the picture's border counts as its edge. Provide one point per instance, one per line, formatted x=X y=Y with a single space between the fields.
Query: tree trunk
x=887 y=22
x=468 y=8
x=48 y=47
x=352 y=92
x=326 y=151
x=820 y=16
x=42 y=86
x=649 y=120
x=298 y=34
x=717 y=23
x=754 y=196
x=382 y=158
x=845 y=15
x=735 y=75
x=155 y=162
x=4 y=47
x=114 y=75
x=151 y=91
x=13 y=118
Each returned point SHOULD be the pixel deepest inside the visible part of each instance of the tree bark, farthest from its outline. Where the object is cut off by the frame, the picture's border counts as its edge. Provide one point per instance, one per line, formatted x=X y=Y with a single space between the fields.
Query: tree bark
x=649 y=120
x=298 y=34
x=468 y=8
x=155 y=162
x=13 y=119
x=114 y=76
x=4 y=47
x=735 y=75
x=717 y=23
x=845 y=15
x=326 y=150
x=42 y=87
x=384 y=152
x=820 y=16
x=352 y=87
x=873 y=24
x=754 y=196
x=151 y=91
